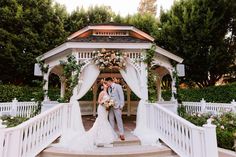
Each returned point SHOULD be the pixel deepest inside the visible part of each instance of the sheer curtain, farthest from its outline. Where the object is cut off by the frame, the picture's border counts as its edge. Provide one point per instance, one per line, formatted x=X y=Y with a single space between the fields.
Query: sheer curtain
x=133 y=79
x=87 y=77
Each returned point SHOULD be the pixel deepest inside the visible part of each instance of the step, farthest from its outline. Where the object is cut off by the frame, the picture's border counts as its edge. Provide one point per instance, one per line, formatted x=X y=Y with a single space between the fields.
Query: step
x=120 y=151
x=131 y=147
x=130 y=139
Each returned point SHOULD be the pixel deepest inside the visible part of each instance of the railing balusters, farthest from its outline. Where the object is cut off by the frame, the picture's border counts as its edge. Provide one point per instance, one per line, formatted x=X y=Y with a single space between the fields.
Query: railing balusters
x=186 y=139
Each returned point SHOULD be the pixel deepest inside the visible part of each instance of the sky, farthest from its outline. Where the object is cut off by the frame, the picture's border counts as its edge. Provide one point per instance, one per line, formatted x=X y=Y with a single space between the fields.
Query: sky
x=123 y=7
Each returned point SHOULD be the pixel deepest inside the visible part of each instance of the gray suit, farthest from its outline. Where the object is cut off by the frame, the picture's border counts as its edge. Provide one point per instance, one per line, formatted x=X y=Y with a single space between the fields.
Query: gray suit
x=116 y=93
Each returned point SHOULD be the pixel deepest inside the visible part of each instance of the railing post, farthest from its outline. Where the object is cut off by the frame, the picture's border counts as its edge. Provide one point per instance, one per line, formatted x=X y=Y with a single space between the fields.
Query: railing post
x=197 y=144
x=14 y=107
x=15 y=144
x=210 y=139
x=65 y=118
x=203 y=105
x=2 y=139
x=148 y=115
x=233 y=105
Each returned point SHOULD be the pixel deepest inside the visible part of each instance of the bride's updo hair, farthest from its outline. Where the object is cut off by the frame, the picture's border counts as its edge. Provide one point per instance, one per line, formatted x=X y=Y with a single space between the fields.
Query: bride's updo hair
x=100 y=88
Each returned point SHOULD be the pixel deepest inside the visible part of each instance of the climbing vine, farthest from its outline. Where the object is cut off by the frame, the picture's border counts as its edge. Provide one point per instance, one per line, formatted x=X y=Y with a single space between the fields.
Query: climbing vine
x=71 y=72
x=152 y=77
x=39 y=95
x=177 y=81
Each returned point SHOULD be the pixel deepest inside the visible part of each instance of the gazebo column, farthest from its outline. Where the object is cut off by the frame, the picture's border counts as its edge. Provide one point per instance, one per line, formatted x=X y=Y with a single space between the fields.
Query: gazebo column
x=63 y=87
x=128 y=101
x=144 y=81
x=95 y=89
x=173 y=89
x=158 y=84
x=45 y=86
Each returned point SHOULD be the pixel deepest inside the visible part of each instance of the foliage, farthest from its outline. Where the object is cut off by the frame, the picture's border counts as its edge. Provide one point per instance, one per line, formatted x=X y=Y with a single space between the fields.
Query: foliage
x=27 y=29
x=152 y=78
x=25 y=93
x=225 y=126
x=198 y=31
x=147 y=6
x=93 y=15
x=109 y=58
x=145 y=22
x=224 y=93
x=13 y=121
x=71 y=71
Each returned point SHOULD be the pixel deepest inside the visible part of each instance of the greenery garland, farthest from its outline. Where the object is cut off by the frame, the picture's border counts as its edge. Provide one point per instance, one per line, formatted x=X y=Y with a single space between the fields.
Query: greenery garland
x=39 y=95
x=110 y=59
x=71 y=72
x=152 y=77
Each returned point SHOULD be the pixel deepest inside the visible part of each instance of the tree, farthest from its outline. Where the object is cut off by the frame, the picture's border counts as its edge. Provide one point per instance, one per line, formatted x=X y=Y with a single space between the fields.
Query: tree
x=94 y=15
x=147 y=6
x=27 y=30
x=196 y=30
x=145 y=22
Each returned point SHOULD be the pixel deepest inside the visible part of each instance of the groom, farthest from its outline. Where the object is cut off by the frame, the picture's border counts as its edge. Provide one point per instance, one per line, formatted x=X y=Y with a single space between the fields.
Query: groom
x=115 y=91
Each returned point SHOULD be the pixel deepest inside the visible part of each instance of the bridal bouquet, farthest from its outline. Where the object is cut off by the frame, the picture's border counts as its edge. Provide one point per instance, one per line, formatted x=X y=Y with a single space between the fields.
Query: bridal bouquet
x=109 y=104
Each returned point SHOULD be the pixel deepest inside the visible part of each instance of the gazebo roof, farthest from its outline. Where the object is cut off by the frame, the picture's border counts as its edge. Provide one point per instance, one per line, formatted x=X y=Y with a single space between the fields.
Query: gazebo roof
x=111 y=30
x=111 y=39
x=108 y=36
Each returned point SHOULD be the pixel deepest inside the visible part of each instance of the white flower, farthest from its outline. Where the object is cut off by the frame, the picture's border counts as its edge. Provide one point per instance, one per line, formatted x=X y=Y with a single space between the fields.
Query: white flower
x=222 y=127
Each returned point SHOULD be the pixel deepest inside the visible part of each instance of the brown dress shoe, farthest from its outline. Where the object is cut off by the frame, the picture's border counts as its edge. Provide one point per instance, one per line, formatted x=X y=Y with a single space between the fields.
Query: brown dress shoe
x=122 y=137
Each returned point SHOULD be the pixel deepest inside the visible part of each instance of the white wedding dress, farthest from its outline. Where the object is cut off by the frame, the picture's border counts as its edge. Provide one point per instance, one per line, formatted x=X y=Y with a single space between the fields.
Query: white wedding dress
x=101 y=133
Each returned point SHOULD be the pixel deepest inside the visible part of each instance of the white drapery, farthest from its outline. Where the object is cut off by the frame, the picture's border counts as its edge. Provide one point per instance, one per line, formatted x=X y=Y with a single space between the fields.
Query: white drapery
x=134 y=80
x=87 y=77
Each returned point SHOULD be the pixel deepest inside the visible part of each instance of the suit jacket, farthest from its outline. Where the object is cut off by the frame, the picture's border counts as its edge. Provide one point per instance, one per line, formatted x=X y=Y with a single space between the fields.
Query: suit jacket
x=117 y=95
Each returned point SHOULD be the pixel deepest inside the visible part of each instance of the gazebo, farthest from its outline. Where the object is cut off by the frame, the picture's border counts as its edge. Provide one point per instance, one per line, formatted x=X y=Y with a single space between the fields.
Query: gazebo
x=126 y=39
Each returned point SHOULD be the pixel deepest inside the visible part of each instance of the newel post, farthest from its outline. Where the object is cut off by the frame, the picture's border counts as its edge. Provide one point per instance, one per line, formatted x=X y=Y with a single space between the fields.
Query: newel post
x=234 y=105
x=203 y=105
x=210 y=139
x=14 y=107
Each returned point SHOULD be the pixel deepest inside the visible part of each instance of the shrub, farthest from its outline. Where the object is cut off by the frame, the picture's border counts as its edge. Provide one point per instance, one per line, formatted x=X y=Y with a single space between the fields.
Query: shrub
x=13 y=121
x=225 y=126
x=224 y=94
x=24 y=93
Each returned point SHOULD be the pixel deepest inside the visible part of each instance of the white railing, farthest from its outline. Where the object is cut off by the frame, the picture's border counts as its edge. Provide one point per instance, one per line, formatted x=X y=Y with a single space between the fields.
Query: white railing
x=204 y=107
x=31 y=137
x=186 y=139
x=15 y=108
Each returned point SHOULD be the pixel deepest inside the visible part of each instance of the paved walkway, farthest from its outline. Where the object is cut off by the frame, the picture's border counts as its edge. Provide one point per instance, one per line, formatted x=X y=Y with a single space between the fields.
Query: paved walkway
x=129 y=122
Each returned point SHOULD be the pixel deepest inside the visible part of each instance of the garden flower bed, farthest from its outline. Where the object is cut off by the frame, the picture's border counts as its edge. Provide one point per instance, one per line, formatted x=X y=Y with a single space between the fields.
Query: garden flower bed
x=12 y=121
x=225 y=125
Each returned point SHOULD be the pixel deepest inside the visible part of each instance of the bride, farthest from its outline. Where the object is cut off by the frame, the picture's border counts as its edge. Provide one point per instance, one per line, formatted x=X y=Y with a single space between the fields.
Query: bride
x=101 y=133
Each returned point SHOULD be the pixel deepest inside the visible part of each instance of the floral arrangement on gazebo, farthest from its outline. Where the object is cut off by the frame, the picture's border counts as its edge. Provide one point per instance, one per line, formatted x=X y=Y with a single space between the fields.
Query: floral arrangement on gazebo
x=109 y=58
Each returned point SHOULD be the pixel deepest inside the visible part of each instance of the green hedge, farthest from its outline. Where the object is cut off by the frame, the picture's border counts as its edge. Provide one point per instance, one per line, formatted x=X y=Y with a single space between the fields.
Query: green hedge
x=23 y=93
x=225 y=93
